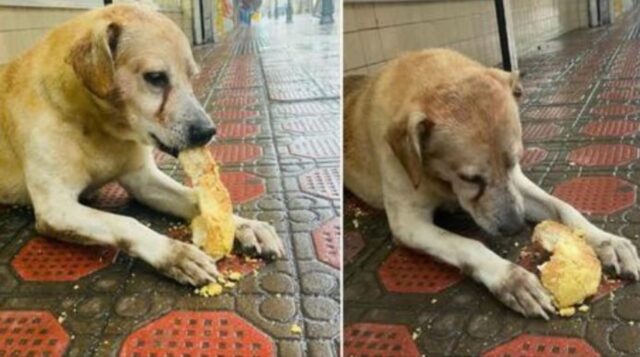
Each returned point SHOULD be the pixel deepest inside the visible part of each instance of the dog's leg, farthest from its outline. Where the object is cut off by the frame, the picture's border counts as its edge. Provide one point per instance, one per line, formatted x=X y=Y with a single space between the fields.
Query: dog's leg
x=614 y=251
x=510 y=283
x=79 y=224
x=259 y=237
x=154 y=188
x=54 y=193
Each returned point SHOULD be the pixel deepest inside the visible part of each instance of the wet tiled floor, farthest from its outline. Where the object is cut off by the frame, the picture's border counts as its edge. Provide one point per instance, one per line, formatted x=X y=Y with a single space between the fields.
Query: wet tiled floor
x=273 y=91
x=581 y=116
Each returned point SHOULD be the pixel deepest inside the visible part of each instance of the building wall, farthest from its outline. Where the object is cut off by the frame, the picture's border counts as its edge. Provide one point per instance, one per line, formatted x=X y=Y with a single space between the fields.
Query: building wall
x=377 y=32
x=537 y=21
x=177 y=10
x=22 y=27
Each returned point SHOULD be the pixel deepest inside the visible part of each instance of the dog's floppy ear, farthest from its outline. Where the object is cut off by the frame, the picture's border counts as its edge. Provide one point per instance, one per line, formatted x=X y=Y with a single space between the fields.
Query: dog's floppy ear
x=93 y=58
x=512 y=79
x=405 y=136
x=516 y=85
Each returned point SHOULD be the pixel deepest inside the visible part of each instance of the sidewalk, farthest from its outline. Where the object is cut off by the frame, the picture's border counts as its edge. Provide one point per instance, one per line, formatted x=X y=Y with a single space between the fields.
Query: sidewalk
x=581 y=116
x=270 y=90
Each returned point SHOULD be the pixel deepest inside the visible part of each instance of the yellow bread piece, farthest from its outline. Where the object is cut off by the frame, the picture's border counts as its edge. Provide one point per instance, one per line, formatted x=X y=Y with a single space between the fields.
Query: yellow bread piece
x=211 y=289
x=567 y=311
x=548 y=233
x=573 y=272
x=295 y=328
x=214 y=229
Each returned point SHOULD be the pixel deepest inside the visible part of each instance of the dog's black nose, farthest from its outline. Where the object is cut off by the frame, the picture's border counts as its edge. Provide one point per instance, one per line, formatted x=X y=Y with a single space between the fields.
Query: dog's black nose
x=201 y=133
x=511 y=227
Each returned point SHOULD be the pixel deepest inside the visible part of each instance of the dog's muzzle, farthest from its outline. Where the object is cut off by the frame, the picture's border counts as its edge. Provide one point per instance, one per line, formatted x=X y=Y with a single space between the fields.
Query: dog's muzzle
x=165 y=148
x=200 y=133
x=510 y=223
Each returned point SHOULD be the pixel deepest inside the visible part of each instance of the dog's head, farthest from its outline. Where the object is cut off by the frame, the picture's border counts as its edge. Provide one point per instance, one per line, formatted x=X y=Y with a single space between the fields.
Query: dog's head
x=139 y=63
x=467 y=136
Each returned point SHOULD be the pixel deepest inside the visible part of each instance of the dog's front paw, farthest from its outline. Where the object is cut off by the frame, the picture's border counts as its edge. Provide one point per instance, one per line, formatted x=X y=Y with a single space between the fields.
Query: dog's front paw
x=187 y=264
x=620 y=255
x=521 y=290
x=259 y=238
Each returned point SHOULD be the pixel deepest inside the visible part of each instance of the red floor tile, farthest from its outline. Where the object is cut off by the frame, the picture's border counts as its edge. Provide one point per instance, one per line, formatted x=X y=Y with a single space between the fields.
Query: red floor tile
x=326 y=239
x=112 y=195
x=235 y=153
x=527 y=345
x=540 y=131
x=597 y=195
x=353 y=244
x=406 y=271
x=370 y=339
x=551 y=113
x=564 y=98
x=235 y=101
x=31 y=333
x=604 y=155
x=234 y=114
x=620 y=95
x=160 y=157
x=611 y=128
x=197 y=333
x=324 y=182
x=613 y=110
x=533 y=156
x=47 y=259
x=237 y=130
x=621 y=83
x=243 y=187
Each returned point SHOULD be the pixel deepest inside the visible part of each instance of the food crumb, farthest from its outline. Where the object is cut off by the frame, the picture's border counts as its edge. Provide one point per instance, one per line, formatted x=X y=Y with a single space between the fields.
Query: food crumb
x=416 y=333
x=583 y=308
x=567 y=311
x=234 y=275
x=296 y=329
x=433 y=301
x=211 y=289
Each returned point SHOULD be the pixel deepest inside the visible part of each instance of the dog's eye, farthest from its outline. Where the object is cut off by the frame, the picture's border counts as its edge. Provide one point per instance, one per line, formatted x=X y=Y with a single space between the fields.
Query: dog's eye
x=156 y=79
x=475 y=179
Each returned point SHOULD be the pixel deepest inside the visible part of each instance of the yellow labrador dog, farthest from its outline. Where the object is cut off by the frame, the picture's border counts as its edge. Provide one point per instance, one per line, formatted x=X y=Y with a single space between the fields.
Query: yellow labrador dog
x=85 y=106
x=434 y=128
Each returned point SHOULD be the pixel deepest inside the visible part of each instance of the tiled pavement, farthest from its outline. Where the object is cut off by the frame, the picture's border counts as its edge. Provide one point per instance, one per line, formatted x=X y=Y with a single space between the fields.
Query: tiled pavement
x=273 y=91
x=581 y=121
